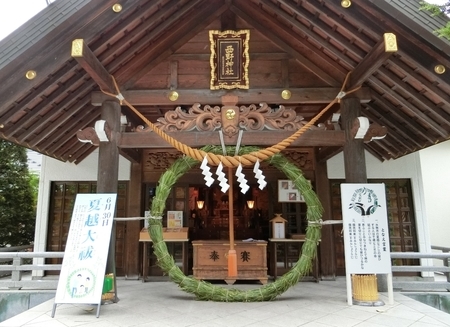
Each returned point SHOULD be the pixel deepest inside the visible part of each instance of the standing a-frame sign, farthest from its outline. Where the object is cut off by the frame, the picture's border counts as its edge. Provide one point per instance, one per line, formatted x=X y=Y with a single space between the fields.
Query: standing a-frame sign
x=366 y=232
x=84 y=262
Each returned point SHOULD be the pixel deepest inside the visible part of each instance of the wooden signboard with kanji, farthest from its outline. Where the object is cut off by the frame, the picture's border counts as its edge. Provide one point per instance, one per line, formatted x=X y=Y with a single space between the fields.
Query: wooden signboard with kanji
x=229 y=59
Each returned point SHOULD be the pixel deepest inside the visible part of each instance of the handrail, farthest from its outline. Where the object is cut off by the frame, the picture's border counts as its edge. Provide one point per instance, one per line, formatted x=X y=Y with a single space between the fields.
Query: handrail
x=17 y=267
x=445 y=269
x=419 y=255
x=16 y=248
x=440 y=248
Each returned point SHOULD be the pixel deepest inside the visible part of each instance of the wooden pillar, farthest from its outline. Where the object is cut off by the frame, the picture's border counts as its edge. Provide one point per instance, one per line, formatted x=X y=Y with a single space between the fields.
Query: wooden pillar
x=133 y=227
x=327 y=252
x=108 y=170
x=354 y=156
x=108 y=157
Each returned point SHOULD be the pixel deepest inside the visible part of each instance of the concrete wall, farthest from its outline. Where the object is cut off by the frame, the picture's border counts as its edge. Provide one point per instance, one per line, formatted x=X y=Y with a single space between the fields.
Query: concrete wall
x=14 y=302
x=435 y=163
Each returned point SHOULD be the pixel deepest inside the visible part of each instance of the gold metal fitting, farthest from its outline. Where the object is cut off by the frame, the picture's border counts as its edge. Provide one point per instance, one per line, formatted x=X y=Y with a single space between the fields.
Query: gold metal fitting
x=346 y=3
x=230 y=114
x=117 y=7
x=390 y=42
x=2 y=126
x=439 y=69
x=286 y=94
x=31 y=74
x=173 y=95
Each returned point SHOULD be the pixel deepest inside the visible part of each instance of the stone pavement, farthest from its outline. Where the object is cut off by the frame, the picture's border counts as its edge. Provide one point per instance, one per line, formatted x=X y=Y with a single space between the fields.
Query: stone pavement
x=162 y=304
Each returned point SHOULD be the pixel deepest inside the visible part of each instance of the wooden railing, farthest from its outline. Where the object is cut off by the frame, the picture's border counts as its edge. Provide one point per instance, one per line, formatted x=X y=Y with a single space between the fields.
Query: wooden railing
x=424 y=284
x=15 y=264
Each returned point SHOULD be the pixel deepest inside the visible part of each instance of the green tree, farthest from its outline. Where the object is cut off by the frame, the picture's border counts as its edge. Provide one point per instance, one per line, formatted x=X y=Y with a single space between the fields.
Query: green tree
x=34 y=183
x=17 y=213
x=438 y=10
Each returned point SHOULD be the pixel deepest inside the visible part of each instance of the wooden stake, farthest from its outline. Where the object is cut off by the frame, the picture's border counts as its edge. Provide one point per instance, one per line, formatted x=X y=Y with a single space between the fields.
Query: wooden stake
x=232 y=259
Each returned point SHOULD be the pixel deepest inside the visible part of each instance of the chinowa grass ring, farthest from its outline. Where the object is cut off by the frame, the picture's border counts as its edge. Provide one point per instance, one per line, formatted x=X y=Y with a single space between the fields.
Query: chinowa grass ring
x=207 y=291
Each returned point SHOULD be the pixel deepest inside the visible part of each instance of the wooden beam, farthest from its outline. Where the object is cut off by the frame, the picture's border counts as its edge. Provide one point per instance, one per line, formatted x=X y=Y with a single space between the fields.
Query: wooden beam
x=50 y=51
x=259 y=138
x=177 y=35
x=36 y=115
x=132 y=155
x=228 y=21
x=206 y=96
x=326 y=153
x=307 y=32
x=373 y=60
x=269 y=56
x=302 y=60
x=87 y=59
x=173 y=82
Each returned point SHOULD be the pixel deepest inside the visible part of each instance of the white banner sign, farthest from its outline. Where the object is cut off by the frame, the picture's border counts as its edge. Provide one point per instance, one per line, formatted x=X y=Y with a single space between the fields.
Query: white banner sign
x=366 y=231
x=84 y=262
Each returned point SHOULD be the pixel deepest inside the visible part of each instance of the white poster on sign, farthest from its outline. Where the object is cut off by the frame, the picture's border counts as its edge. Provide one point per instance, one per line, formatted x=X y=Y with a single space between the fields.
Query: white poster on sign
x=84 y=262
x=366 y=231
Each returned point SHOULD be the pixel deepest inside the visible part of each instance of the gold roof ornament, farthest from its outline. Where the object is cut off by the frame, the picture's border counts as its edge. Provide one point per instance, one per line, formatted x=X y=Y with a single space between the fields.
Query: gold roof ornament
x=31 y=74
x=173 y=95
x=286 y=94
x=346 y=3
x=439 y=69
x=390 y=42
x=117 y=7
x=230 y=114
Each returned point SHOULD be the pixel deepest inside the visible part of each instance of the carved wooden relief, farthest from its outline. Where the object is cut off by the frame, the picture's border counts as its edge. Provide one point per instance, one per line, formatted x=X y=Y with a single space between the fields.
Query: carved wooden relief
x=178 y=120
x=159 y=160
x=251 y=118
x=88 y=135
x=303 y=158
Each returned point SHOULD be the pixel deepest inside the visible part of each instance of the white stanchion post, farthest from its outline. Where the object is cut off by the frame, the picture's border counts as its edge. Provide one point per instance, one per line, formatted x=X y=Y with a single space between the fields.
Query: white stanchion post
x=349 y=289
x=390 y=286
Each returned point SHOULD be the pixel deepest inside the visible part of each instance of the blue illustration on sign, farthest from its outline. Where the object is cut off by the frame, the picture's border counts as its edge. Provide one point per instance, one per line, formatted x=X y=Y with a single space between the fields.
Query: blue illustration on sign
x=80 y=283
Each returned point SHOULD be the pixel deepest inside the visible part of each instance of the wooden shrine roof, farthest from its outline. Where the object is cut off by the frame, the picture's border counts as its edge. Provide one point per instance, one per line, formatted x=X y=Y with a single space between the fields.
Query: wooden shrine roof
x=154 y=46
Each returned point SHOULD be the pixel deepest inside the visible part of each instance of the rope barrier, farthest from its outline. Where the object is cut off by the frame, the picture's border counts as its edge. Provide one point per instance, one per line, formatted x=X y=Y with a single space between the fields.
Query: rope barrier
x=324 y=222
x=136 y=218
x=232 y=161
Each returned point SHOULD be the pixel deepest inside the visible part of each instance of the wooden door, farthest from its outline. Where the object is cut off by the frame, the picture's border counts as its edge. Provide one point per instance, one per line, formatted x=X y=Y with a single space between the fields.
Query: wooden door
x=402 y=223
